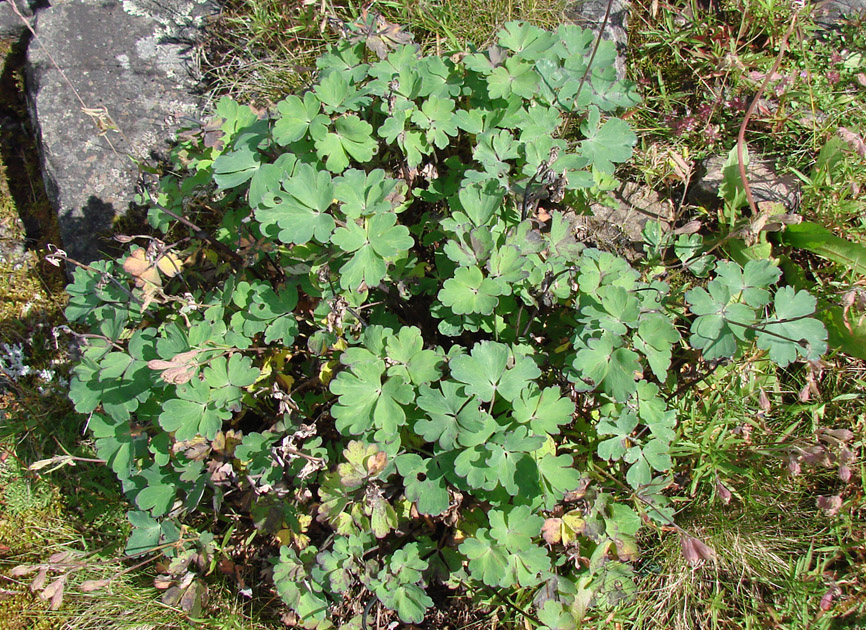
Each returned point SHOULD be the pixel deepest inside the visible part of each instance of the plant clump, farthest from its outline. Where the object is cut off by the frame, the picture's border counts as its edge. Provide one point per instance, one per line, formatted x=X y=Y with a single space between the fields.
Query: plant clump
x=391 y=364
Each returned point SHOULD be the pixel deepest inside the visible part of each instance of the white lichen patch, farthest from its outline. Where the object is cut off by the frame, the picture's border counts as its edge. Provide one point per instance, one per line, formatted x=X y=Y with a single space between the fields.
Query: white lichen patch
x=123 y=60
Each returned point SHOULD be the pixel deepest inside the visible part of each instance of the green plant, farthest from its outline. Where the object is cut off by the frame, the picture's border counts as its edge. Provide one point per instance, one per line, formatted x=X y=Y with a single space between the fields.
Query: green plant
x=385 y=356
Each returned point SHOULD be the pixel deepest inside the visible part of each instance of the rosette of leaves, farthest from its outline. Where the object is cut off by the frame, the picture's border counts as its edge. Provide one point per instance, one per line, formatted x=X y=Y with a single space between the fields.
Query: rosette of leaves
x=394 y=348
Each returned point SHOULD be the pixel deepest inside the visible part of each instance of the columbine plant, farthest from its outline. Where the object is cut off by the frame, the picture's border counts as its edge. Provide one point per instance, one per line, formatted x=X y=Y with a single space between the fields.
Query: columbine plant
x=392 y=353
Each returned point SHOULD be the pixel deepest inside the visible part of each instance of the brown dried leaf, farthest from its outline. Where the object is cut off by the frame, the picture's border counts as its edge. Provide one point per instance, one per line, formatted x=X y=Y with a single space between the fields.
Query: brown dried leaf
x=376 y=463
x=172 y=596
x=24 y=569
x=93 y=585
x=695 y=551
x=54 y=592
x=38 y=582
x=689 y=228
x=854 y=140
x=861 y=78
x=551 y=530
x=842 y=435
x=764 y=401
x=141 y=269
x=830 y=505
x=844 y=473
x=162 y=582
x=723 y=492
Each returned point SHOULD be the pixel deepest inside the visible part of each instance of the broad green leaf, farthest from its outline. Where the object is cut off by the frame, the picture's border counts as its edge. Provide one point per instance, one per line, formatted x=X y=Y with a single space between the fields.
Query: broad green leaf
x=351 y=137
x=296 y=117
x=484 y=372
x=303 y=212
x=791 y=332
x=607 y=143
x=819 y=240
x=470 y=292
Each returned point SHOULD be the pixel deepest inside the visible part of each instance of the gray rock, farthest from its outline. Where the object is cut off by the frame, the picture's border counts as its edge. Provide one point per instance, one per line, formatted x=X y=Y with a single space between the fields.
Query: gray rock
x=766 y=184
x=590 y=14
x=620 y=227
x=11 y=26
x=107 y=81
x=829 y=13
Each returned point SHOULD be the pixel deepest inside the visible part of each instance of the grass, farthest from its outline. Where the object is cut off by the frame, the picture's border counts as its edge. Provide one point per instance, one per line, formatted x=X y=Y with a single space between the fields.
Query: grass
x=781 y=561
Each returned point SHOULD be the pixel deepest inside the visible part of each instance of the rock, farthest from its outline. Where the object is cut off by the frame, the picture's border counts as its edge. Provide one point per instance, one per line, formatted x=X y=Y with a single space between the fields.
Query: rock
x=620 y=228
x=829 y=13
x=590 y=14
x=11 y=26
x=123 y=81
x=767 y=185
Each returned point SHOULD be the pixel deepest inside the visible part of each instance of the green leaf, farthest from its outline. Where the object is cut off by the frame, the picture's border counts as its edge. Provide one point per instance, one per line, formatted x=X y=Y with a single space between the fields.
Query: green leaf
x=720 y=322
x=146 y=533
x=792 y=332
x=415 y=364
x=379 y=239
x=525 y=40
x=366 y=402
x=608 y=143
x=436 y=117
x=602 y=364
x=515 y=77
x=235 y=168
x=363 y=194
x=819 y=240
x=484 y=371
x=615 y=448
x=352 y=137
x=296 y=117
x=470 y=292
x=452 y=417
x=303 y=212
x=488 y=562
x=558 y=476
x=543 y=410
x=424 y=482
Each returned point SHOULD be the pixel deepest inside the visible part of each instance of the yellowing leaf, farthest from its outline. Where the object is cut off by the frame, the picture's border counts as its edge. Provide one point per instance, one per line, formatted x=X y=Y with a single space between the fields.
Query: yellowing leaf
x=169 y=264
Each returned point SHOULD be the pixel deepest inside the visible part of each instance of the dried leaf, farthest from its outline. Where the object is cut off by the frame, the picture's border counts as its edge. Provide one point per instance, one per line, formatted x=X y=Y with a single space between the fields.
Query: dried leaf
x=377 y=463
x=60 y=556
x=93 y=585
x=793 y=464
x=854 y=140
x=141 y=269
x=38 y=582
x=54 y=592
x=689 y=228
x=551 y=531
x=723 y=492
x=827 y=600
x=842 y=435
x=764 y=401
x=861 y=78
x=830 y=505
x=172 y=596
x=24 y=569
x=162 y=582
x=844 y=473
x=695 y=551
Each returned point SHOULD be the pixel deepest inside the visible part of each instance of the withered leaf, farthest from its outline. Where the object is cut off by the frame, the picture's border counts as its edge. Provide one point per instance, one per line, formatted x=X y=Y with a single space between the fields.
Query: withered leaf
x=24 y=569
x=376 y=463
x=54 y=592
x=551 y=530
x=695 y=551
x=830 y=505
x=93 y=585
x=854 y=140
x=38 y=582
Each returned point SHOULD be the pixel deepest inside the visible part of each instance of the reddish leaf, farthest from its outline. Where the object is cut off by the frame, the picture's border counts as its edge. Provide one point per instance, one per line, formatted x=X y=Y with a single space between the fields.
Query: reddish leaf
x=830 y=505
x=695 y=551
